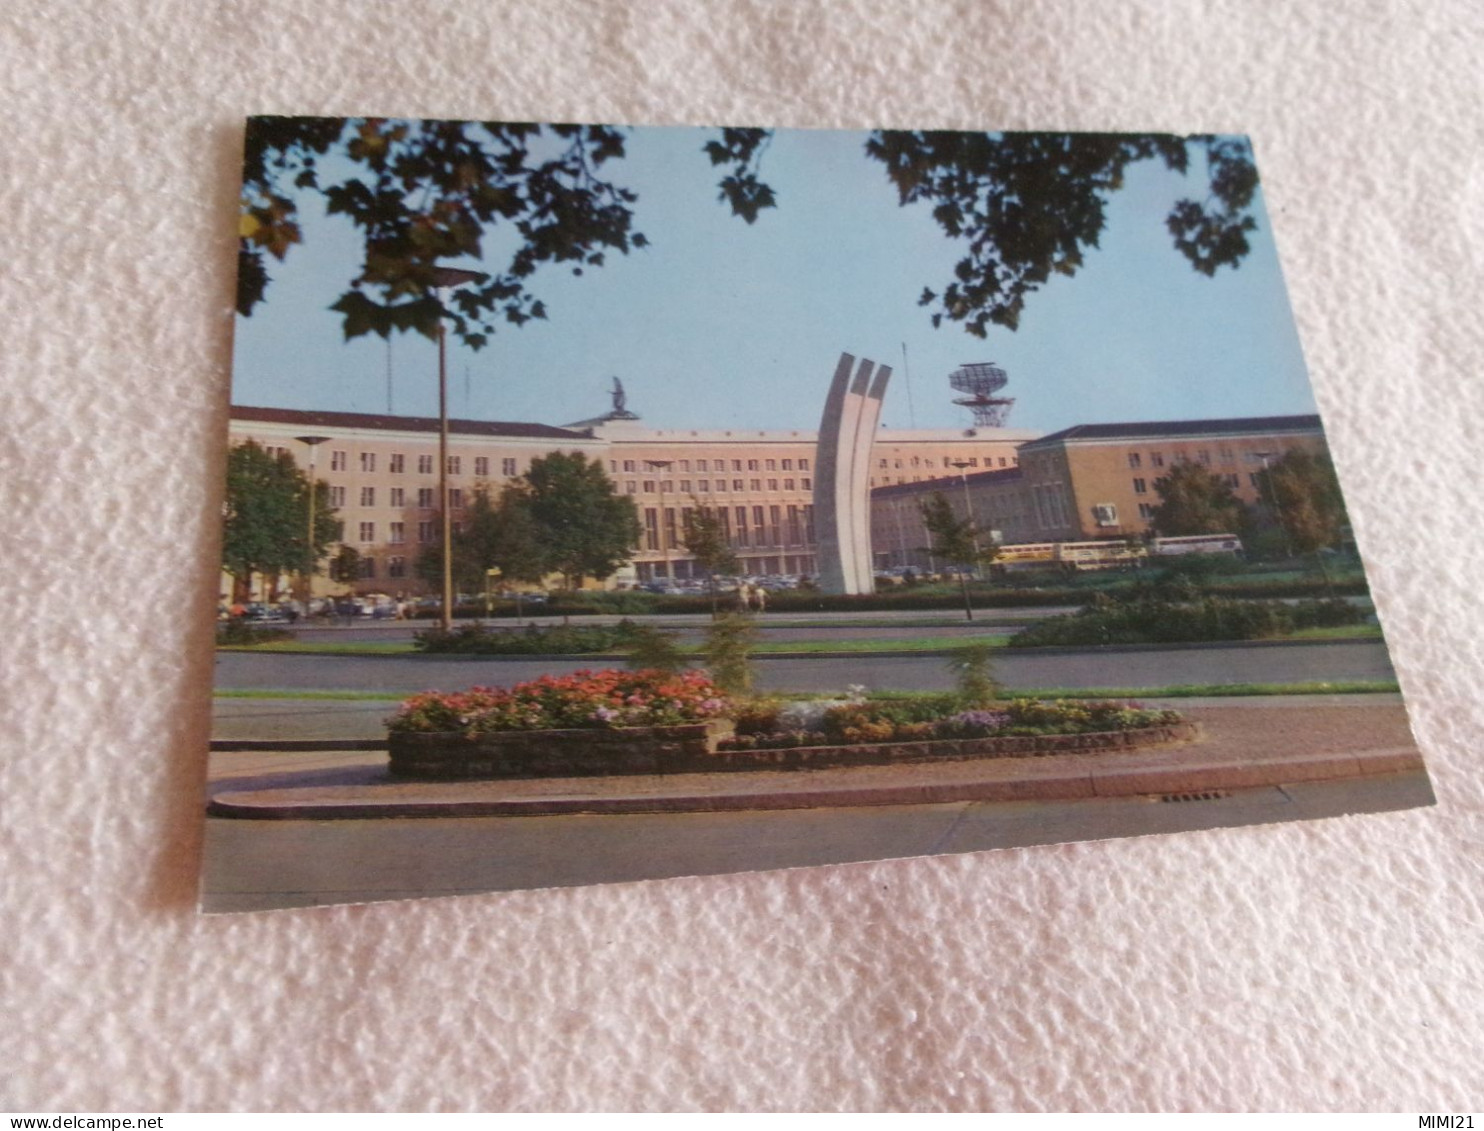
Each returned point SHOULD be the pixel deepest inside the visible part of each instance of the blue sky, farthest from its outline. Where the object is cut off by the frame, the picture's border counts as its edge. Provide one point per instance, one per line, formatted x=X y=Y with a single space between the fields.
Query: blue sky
x=722 y=324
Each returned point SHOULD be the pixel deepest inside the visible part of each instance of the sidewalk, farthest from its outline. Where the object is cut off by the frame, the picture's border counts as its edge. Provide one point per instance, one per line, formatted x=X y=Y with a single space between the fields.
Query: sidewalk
x=1240 y=748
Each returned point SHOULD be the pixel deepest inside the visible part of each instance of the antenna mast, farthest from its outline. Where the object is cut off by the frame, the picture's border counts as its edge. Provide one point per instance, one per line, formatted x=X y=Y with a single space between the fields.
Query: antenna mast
x=907 y=375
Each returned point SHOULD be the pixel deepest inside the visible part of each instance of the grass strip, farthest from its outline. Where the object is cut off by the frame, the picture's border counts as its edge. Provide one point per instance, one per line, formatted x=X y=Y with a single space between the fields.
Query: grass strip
x=1176 y=691
x=762 y=648
x=344 y=648
x=770 y=648
x=917 y=644
x=268 y=693
x=1337 y=632
x=982 y=618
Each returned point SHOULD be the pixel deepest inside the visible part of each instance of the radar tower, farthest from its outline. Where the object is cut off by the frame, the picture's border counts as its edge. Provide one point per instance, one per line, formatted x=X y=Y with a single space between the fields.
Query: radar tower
x=980 y=381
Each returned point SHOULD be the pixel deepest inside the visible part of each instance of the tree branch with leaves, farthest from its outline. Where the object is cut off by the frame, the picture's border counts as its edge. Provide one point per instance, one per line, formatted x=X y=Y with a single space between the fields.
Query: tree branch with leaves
x=1025 y=207
x=426 y=191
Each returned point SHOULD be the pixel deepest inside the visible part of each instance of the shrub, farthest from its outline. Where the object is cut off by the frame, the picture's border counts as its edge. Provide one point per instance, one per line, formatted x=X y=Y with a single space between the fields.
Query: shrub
x=1153 y=620
x=652 y=649
x=238 y=632
x=602 y=699
x=1332 y=613
x=973 y=671
x=729 y=640
x=625 y=602
x=477 y=639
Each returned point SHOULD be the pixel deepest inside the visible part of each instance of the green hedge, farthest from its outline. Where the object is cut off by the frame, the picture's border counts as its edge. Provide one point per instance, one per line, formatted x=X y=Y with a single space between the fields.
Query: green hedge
x=477 y=639
x=1108 y=621
x=922 y=598
x=239 y=632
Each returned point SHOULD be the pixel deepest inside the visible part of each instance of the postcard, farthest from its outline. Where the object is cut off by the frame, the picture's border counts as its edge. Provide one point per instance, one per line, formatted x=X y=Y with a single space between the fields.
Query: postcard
x=614 y=503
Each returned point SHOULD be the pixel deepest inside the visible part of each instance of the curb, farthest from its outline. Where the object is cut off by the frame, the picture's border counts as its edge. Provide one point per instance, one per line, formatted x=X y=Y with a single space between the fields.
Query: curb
x=884 y=654
x=296 y=745
x=1045 y=781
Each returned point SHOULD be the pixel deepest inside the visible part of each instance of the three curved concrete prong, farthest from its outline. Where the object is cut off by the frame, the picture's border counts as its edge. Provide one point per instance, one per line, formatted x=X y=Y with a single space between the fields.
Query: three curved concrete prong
x=842 y=466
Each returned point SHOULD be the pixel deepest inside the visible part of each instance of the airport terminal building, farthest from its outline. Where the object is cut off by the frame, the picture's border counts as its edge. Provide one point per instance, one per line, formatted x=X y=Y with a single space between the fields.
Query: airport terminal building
x=1085 y=483
x=383 y=481
x=1089 y=482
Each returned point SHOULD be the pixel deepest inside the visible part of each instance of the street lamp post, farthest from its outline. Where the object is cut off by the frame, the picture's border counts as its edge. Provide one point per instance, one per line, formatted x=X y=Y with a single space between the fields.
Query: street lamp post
x=963 y=476
x=312 y=442
x=443 y=279
x=1272 y=493
x=663 y=467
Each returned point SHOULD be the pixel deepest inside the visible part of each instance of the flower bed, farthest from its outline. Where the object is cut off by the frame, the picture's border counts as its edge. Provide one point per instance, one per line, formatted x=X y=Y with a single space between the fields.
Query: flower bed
x=605 y=722
x=765 y=725
x=612 y=722
x=856 y=732
x=582 y=700
x=943 y=750
x=581 y=752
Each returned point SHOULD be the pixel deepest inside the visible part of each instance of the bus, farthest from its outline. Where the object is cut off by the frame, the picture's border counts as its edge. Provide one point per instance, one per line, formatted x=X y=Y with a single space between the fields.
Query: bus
x=1073 y=557
x=1197 y=544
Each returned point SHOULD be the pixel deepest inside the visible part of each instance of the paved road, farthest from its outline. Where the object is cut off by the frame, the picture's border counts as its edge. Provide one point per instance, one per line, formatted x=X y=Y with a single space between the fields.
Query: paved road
x=255 y=865
x=692 y=630
x=887 y=624
x=366 y=719
x=1236 y=663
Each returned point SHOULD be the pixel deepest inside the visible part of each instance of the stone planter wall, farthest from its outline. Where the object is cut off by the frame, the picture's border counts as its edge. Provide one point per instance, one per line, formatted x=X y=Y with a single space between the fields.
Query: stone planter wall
x=945 y=750
x=556 y=753
x=692 y=749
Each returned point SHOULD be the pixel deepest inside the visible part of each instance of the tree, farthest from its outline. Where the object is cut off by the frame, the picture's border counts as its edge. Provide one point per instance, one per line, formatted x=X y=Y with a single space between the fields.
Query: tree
x=345 y=566
x=584 y=528
x=706 y=540
x=956 y=540
x=266 y=512
x=1304 y=492
x=1026 y=206
x=495 y=534
x=1193 y=500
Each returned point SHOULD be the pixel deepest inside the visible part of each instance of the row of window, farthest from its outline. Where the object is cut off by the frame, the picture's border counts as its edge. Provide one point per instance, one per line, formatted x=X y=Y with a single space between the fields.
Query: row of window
x=1231 y=479
x=1049 y=503
x=427 y=532
x=397 y=497
x=887 y=481
x=684 y=465
x=664 y=528
x=1202 y=456
x=395 y=567
x=948 y=462
x=705 y=486
x=397 y=463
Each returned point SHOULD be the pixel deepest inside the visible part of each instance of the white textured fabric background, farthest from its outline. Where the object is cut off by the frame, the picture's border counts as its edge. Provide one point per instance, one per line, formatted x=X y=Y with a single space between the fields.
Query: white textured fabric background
x=1336 y=964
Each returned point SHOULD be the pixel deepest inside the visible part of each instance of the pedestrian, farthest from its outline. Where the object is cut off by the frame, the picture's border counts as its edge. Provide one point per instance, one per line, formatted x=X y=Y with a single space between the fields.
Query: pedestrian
x=762 y=598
